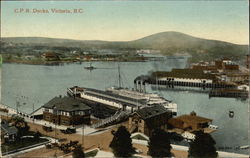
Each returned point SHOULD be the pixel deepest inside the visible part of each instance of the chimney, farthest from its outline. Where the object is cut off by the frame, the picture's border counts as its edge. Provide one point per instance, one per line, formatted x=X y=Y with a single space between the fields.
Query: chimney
x=139 y=84
x=135 y=85
x=144 y=86
x=74 y=92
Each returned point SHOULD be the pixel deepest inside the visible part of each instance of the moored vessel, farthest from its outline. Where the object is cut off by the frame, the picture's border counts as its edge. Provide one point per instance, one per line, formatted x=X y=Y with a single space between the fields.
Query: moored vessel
x=120 y=98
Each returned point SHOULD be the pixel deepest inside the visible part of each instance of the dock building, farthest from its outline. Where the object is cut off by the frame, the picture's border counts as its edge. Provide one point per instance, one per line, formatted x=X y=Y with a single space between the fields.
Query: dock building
x=185 y=75
x=149 y=118
x=190 y=123
x=223 y=73
x=66 y=111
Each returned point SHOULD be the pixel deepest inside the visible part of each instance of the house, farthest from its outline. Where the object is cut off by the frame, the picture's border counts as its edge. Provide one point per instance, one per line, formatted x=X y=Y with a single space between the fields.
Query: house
x=66 y=111
x=8 y=133
x=51 y=56
x=190 y=122
x=147 y=119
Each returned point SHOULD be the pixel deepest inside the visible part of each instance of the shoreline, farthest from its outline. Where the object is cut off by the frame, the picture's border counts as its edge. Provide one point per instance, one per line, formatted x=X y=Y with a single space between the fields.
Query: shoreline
x=58 y=63
x=178 y=148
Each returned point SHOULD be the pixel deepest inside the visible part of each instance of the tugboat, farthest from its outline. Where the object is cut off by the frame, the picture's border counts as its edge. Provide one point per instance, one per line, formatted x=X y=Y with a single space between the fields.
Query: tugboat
x=90 y=67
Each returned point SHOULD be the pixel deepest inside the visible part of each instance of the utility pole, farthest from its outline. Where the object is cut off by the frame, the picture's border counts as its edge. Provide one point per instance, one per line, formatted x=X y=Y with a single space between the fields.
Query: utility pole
x=17 y=105
x=83 y=135
x=119 y=75
x=33 y=113
x=0 y=140
x=55 y=130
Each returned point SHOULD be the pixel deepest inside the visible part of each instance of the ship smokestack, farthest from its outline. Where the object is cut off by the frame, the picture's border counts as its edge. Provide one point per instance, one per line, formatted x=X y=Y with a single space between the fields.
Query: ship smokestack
x=139 y=84
x=144 y=86
x=74 y=92
x=135 y=85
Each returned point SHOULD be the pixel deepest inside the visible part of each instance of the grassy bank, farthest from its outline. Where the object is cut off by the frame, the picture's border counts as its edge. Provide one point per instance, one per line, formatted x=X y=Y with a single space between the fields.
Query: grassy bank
x=24 y=142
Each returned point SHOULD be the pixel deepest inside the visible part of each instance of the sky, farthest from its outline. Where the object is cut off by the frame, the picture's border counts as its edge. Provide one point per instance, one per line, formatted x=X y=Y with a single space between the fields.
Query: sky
x=127 y=20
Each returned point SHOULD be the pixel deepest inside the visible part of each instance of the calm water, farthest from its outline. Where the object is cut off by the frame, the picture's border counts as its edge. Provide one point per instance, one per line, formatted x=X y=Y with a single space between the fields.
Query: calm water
x=37 y=84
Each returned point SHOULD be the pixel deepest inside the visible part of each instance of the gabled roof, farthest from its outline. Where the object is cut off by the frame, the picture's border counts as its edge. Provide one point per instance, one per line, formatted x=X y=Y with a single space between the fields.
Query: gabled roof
x=190 y=119
x=152 y=111
x=10 y=130
x=66 y=104
x=184 y=73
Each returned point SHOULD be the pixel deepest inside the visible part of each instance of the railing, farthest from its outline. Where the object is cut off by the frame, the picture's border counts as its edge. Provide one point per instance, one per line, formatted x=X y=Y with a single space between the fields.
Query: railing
x=116 y=116
x=24 y=148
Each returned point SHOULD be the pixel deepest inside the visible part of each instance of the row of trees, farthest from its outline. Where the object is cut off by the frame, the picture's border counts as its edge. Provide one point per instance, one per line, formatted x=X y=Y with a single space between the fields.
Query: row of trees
x=159 y=144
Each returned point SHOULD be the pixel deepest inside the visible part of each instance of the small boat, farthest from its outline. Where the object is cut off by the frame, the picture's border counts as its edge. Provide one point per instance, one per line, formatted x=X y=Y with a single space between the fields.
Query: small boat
x=90 y=67
x=244 y=147
x=231 y=114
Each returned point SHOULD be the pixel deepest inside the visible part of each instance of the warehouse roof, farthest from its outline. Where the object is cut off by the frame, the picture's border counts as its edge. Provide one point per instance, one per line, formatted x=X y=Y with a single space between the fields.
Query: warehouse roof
x=66 y=104
x=151 y=111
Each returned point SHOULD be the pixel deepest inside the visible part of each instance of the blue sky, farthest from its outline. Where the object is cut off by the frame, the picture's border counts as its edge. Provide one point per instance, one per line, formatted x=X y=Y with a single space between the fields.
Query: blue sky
x=128 y=20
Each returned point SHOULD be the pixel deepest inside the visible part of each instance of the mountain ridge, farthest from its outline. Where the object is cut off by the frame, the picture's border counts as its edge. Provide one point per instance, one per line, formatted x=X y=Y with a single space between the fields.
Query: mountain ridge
x=169 y=43
x=77 y=40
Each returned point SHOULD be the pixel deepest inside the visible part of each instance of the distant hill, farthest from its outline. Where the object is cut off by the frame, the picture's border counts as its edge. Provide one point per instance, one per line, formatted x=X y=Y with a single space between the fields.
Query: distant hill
x=169 y=43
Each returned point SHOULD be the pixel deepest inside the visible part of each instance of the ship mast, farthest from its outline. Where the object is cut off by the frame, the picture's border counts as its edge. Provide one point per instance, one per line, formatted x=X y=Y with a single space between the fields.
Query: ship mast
x=119 y=75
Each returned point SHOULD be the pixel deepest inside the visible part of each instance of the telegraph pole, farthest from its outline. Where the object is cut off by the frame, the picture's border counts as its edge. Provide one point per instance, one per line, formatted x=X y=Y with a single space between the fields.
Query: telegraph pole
x=0 y=140
x=55 y=130
x=83 y=135
x=119 y=75
x=33 y=113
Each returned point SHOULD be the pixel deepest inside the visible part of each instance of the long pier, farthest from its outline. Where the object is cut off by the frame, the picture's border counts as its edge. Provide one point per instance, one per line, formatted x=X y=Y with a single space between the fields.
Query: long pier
x=140 y=82
x=229 y=93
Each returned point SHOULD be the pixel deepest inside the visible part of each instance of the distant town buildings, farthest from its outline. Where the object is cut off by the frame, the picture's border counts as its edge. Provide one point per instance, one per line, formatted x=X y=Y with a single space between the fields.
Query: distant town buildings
x=148 y=51
x=66 y=111
x=51 y=56
x=221 y=65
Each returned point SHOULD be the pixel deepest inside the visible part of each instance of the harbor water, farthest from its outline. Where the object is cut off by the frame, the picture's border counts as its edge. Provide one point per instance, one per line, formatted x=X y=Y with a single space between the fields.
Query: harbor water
x=27 y=87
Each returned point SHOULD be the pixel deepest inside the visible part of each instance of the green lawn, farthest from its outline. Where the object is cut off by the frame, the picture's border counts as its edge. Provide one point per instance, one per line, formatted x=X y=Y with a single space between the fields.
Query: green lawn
x=91 y=153
x=139 y=137
x=24 y=142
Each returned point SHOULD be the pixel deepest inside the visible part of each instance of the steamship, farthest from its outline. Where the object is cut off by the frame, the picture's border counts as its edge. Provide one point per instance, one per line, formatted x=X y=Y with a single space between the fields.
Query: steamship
x=122 y=98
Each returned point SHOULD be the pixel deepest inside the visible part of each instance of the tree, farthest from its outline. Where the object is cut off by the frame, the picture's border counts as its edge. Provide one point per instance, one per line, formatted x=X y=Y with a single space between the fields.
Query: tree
x=78 y=152
x=159 y=144
x=21 y=126
x=202 y=146
x=122 y=144
x=37 y=135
